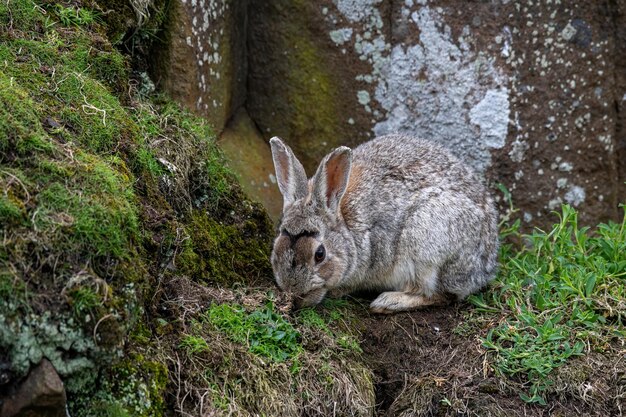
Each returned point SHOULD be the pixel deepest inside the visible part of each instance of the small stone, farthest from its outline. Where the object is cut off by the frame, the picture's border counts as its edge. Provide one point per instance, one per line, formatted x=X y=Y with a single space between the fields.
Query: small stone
x=41 y=394
x=50 y=123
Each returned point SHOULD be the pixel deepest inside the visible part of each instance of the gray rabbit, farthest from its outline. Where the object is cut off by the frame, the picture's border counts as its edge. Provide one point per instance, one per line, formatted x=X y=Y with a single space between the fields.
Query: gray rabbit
x=396 y=214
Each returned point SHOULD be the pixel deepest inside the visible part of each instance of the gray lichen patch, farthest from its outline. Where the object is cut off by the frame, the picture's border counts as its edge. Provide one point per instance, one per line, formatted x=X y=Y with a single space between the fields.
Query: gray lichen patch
x=437 y=88
x=575 y=196
x=341 y=36
x=75 y=355
x=436 y=108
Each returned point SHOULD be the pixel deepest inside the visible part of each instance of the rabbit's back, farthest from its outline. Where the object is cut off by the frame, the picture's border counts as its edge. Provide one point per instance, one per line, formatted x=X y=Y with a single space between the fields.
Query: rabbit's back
x=411 y=206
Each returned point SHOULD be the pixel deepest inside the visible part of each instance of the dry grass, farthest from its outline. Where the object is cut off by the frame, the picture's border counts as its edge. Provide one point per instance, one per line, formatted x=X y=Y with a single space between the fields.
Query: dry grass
x=228 y=379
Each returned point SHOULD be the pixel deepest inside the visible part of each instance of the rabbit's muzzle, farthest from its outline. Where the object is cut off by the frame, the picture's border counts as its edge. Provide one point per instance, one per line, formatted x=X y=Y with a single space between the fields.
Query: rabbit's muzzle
x=309 y=299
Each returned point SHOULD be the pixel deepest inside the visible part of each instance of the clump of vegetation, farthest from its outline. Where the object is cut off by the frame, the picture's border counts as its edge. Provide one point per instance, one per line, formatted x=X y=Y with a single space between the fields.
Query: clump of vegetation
x=558 y=297
x=111 y=205
x=337 y=319
x=101 y=191
x=245 y=356
x=264 y=331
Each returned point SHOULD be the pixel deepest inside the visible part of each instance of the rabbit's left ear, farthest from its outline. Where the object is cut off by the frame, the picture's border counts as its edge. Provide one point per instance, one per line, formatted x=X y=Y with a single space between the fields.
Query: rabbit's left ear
x=331 y=179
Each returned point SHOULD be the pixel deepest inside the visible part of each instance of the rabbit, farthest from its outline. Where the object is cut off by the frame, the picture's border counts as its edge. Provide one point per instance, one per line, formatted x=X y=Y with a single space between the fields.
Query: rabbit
x=397 y=214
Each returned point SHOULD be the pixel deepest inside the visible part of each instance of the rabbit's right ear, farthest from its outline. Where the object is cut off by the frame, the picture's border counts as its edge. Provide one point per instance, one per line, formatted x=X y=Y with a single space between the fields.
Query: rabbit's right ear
x=332 y=177
x=290 y=174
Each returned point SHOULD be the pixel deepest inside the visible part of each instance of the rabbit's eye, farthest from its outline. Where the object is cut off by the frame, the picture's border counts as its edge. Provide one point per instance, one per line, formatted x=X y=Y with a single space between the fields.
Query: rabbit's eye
x=320 y=254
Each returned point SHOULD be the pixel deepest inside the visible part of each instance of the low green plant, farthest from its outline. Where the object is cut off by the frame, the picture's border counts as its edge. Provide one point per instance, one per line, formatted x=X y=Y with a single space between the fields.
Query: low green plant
x=194 y=345
x=84 y=300
x=310 y=318
x=264 y=331
x=74 y=16
x=560 y=295
x=349 y=342
x=336 y=320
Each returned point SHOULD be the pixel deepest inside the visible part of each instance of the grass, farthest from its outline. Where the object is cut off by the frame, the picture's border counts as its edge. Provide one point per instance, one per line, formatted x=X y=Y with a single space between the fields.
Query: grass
x=194 y=344
x=74 y=16
x=336 y=320
x=558 y=297
x=84 y=300
x=262 y=361
x=263 y=331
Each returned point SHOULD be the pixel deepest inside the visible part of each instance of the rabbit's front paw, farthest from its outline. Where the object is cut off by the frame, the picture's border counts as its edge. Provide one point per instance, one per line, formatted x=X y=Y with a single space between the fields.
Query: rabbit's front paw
x=394 y=301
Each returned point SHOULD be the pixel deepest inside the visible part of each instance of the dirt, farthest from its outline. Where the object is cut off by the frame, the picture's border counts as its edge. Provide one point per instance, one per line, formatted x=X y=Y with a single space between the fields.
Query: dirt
x=425 y=364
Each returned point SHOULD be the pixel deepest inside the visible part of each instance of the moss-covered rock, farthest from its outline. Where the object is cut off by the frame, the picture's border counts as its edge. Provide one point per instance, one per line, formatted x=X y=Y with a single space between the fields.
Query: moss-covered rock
x=225 y=254
x=124 y=235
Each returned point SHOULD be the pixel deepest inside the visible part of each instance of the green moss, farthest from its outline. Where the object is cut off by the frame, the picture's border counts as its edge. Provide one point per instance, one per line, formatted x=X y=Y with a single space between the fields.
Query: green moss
x=97 y=192
x=111 y=67
x=21 y=16
x=11 y=212
x=140 y=384
x=96 y=224
x=225 y=254
x=119 y=17
x=20 y=129
x=95 y=116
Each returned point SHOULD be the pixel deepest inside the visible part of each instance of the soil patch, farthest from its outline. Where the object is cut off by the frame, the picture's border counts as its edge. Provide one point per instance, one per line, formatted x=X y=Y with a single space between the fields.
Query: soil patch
x=427 y=363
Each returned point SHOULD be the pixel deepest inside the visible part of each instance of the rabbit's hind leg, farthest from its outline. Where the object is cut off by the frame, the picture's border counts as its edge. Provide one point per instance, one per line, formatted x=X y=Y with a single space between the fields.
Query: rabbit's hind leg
x=394 y=301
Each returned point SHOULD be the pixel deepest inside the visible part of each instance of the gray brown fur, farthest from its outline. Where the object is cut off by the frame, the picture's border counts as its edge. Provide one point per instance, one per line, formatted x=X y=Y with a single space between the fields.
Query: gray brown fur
x=396 y=214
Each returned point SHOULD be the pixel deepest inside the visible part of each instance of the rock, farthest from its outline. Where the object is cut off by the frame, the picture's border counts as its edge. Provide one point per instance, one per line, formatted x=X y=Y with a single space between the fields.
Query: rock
x=203 y=63
x=530 y=94
x=619 y=13
x=300 y=79
x=41 y=394
x=562 y=87
x=250 y=156
x=508 y=87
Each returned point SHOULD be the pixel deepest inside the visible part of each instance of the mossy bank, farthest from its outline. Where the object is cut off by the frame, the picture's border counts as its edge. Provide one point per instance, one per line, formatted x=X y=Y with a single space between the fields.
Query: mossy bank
x=104 y=196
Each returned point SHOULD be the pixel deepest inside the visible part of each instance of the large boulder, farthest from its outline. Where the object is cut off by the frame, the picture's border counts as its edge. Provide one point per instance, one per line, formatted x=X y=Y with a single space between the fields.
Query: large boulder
x=531 y=94
x=202 y=62
x=524 y=92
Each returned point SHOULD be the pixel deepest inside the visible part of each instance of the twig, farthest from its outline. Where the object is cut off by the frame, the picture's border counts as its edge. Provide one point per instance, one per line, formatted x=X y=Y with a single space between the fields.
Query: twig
x=20 y=183
x=98 y=323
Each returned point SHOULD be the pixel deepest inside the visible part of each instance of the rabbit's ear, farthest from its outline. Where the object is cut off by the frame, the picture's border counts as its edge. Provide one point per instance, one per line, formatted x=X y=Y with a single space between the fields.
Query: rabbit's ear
x=331 y=179
x=290 y=174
